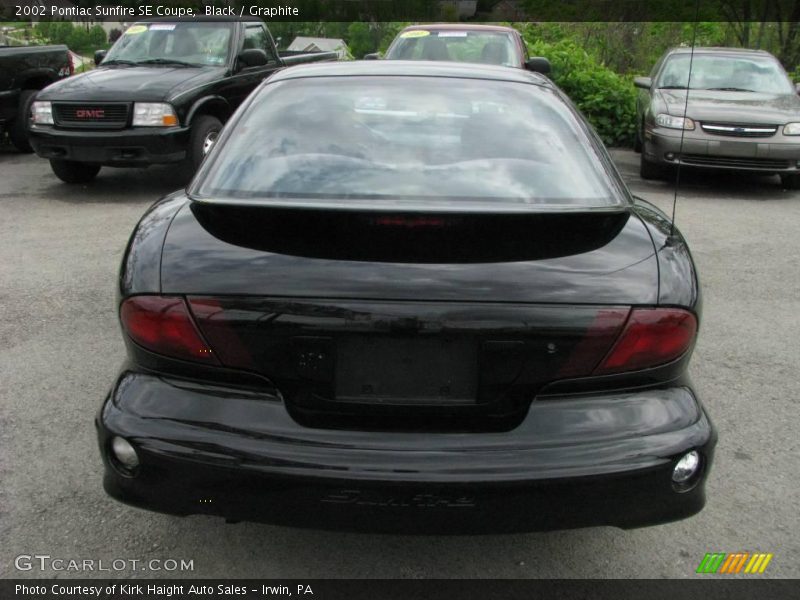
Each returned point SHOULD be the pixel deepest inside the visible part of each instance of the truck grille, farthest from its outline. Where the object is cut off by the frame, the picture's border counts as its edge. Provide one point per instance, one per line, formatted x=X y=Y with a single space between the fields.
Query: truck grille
x=764 y=164
x=739 y=129
x=94 y=116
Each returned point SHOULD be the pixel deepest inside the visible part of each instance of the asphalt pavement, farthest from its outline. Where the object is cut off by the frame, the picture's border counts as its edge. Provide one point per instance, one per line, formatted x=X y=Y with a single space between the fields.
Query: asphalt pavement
x=60 y=347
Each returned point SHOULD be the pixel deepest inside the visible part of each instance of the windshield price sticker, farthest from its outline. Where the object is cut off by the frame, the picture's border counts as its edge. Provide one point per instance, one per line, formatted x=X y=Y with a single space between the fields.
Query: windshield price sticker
x=452 y=34
x=162 y=26
x=415 y=34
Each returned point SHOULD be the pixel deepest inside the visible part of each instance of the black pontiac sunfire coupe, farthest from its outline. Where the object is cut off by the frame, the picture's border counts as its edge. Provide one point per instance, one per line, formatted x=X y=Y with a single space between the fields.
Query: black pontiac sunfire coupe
x=405 y=296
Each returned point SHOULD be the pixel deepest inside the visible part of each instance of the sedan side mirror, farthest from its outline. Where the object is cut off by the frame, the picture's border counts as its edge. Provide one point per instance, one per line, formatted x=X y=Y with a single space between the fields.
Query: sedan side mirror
x=538 y=64
x=372 y=56
x=797 y=87
x=644 y=83
x=252 y=57
x=99 y=55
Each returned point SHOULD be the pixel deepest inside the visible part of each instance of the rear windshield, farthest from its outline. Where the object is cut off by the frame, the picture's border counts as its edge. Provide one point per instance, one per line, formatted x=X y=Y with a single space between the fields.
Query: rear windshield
x=412 y=138
x=490 y=47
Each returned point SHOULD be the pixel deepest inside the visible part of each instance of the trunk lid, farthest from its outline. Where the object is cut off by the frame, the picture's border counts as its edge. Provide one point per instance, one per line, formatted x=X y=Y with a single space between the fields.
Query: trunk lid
x=399 y=320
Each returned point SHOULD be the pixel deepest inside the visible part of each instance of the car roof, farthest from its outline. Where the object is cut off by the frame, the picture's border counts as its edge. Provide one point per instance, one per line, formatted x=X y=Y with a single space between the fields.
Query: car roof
x=459 y=27
x=719 y=50
x=412 y=68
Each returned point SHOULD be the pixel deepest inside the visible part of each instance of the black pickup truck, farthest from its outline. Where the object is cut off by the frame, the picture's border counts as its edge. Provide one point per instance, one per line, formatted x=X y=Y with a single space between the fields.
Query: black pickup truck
x=160 y=95
x=24 y=70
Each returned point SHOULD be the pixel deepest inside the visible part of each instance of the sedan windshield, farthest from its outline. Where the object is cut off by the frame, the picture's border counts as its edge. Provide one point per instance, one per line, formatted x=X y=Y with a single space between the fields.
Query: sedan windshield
x=489 y=47
x=195 y=44
x=725 y=73
x=409 y=138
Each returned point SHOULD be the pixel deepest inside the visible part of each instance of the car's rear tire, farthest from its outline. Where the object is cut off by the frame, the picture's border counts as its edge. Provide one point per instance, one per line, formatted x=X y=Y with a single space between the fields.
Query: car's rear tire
x=70 y=171
x=790 y=182
x=205 y=131
x=18 y=130
x=651 y=170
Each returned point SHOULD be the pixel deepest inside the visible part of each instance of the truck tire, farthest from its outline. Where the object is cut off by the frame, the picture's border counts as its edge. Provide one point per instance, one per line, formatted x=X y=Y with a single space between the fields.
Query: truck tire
x=205 y=130
x=18 y=130
x=70 y=171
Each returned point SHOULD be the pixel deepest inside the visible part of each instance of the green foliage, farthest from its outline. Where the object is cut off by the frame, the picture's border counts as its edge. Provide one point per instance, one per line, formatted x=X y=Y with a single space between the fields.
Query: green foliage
x=606 y=99
x=97 y=37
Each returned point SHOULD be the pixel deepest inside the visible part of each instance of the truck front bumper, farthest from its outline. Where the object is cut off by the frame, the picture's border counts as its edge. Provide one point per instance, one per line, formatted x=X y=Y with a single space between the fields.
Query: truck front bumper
x=572 y=462
x=135 y=147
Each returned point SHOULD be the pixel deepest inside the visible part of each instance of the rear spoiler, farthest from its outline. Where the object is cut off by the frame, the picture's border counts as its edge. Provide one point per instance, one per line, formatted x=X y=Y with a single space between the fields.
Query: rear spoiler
x=404 y=235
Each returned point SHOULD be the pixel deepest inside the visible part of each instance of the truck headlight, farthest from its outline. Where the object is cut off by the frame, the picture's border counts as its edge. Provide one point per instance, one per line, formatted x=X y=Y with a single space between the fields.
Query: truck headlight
x=42 y=113
x=153 y=114
x=791 y=129
x=665 y=120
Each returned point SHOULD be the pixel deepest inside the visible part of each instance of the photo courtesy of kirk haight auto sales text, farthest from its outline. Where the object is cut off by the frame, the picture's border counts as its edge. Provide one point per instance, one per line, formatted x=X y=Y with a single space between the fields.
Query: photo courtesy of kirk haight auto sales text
x=161 y=591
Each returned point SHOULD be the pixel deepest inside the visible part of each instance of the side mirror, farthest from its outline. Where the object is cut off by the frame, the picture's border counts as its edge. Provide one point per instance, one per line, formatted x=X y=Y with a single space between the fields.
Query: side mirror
x=252 y=57
x=99 y=55
x=538 y=64
x=372 y=56
x=797 y=87
x=644 y=83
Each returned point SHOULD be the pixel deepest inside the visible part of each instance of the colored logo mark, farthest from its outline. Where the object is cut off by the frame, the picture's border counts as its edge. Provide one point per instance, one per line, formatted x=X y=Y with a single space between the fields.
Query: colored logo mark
x=737 y=562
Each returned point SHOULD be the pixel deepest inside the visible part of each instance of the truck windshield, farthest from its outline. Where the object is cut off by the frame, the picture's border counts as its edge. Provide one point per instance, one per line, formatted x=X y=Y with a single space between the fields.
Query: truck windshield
x=190 y=43
x=409 y=138
x=489 y=47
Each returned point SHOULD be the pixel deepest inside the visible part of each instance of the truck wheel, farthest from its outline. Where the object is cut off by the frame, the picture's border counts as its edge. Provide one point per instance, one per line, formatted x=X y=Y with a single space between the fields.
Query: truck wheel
x=790 y=182
x=205 y=131
x=18 y=130
x=70 y=171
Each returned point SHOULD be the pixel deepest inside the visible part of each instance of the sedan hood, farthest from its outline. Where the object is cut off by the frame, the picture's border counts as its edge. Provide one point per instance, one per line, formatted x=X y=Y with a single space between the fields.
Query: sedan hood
x=288 y=254
x=734 y=107
x=121 y=83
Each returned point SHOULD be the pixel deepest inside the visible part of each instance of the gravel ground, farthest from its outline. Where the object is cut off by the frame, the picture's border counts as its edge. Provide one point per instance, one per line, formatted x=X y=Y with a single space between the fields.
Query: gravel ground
x=60 y=348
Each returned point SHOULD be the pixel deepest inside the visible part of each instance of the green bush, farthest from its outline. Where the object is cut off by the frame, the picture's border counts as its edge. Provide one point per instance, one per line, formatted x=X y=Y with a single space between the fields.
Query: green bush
x=606 y=99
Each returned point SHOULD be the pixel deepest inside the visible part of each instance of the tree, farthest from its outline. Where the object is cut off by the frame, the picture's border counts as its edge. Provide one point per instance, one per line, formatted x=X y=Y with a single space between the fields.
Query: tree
x=114 y=35
x=78 y=39
x=97 y=37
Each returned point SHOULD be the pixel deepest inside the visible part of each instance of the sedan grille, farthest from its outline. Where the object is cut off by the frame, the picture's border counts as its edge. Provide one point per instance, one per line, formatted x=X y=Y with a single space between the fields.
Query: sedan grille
x=94 y=116
x=739 y=130
x=763 y=164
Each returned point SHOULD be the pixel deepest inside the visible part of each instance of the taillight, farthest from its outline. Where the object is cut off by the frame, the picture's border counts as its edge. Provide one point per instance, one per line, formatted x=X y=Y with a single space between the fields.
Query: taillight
x=651 y=337
x=163 y=324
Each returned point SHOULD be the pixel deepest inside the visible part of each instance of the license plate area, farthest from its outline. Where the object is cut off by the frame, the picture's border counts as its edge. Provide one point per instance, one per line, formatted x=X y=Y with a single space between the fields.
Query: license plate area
x=406 y=371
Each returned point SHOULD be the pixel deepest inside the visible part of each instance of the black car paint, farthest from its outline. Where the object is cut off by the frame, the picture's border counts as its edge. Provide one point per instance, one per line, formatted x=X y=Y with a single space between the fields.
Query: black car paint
x=192 y=91
x=223 y=441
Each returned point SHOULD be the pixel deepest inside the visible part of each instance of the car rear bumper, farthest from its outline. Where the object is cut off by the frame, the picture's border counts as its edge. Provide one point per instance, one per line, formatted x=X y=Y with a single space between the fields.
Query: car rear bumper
x=573 y=462
x=120 y=148
x=776 y=154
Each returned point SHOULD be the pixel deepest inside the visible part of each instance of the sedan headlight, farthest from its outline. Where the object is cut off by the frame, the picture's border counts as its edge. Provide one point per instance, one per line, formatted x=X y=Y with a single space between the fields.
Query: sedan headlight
x=153 y=114
x=791 y=129
x=665 y=120
x=42 y=113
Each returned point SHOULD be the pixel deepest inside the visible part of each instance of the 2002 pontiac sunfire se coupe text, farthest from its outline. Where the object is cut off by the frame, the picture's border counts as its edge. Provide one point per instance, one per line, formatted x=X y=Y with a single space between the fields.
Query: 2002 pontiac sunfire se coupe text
x=408 y=296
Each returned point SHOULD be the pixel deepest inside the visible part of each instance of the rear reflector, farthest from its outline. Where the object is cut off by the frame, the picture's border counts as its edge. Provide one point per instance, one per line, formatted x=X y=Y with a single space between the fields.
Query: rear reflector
x=165 y=326
x=652 y=337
